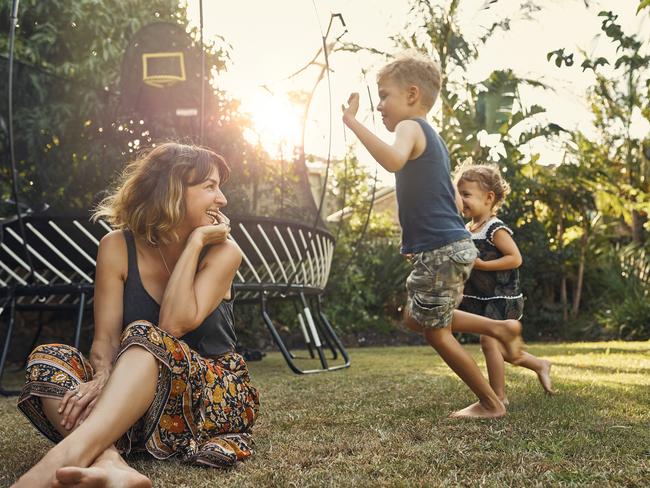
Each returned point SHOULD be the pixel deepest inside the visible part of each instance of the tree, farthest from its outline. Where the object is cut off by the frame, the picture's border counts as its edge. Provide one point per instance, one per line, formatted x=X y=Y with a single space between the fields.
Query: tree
x=70 y=140
x=620 y=95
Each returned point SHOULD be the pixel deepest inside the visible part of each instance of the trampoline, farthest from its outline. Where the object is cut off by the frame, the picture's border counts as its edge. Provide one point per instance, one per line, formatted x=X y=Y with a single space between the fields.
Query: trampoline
x=47 y=258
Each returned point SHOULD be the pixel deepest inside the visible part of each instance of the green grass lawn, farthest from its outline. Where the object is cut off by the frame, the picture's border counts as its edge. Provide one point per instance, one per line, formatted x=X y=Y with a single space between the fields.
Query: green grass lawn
x=383 y=422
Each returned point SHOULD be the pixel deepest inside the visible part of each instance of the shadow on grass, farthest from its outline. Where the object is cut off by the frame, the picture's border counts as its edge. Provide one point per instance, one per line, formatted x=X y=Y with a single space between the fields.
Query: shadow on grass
x=569 y=349
x=601 y=369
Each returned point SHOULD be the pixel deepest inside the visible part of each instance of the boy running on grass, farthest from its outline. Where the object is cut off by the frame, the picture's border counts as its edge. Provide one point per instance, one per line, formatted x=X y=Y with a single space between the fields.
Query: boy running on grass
x=434 y=237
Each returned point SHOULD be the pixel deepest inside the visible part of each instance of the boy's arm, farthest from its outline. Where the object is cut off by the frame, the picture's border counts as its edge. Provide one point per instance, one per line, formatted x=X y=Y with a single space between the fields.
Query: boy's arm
x=392 y=158
x=511 y=258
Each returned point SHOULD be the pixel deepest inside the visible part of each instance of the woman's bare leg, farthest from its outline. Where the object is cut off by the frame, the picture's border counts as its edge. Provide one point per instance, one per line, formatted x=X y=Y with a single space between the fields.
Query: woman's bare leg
x=51 y=410
x=125 y=398
x=108 y=466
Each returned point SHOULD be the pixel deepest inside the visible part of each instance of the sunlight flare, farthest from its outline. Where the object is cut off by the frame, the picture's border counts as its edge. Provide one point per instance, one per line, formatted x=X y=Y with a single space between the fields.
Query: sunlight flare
x=276 y=123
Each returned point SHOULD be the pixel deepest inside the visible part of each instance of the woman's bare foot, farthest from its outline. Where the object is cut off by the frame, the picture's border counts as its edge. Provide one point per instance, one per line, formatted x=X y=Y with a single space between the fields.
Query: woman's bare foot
x=104 y=474
x=479 y=411
x=109 y=470
x=544 y=376
x=512 y=344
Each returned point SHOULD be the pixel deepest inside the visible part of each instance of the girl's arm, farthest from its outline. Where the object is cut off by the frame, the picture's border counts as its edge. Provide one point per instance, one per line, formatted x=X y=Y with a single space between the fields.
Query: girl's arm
x=511 y=258
x=191 y=294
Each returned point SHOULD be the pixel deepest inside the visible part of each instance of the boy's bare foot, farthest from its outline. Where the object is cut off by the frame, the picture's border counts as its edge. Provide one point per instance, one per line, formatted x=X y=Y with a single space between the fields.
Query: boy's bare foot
x=479 y=411
x=511 y=342
x=103 y=474
x=544 y=376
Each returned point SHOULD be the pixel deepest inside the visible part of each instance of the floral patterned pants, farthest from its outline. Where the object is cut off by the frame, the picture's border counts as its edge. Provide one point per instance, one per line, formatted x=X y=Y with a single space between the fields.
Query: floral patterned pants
x=202 y=412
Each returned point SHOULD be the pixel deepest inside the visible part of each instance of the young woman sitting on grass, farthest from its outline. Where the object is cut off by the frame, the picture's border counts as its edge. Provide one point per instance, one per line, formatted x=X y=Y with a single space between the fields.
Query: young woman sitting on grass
x=162 y=374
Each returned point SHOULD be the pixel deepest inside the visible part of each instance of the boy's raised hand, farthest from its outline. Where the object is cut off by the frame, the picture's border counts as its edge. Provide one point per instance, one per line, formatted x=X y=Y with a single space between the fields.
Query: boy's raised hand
x=350 y=112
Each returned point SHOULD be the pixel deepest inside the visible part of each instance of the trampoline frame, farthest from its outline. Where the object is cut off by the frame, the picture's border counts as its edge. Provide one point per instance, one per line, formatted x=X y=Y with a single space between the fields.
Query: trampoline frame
x=63 y=250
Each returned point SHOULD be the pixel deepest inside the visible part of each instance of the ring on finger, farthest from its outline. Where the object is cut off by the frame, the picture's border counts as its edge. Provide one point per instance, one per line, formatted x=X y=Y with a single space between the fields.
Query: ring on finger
x=79 y=395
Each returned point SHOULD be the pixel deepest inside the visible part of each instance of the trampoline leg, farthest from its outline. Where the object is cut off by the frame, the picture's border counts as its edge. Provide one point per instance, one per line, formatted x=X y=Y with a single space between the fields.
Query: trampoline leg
x=11 y=299
x=276 y=337
x=305 y=334
x=303 y=329
x=314 y=332
x=331 y=332
x=80 y=316
x=39 y=330
x=325 y=333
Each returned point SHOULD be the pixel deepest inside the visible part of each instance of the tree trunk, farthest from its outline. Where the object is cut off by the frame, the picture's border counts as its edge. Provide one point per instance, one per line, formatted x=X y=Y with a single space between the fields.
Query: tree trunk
x=563 y=298
x=637 y=228
x=563 y=291
x=584 y=240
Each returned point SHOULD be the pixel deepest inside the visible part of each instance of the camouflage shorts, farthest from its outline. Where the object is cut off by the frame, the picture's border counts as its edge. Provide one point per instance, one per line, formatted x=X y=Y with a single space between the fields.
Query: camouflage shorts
x=435 y=286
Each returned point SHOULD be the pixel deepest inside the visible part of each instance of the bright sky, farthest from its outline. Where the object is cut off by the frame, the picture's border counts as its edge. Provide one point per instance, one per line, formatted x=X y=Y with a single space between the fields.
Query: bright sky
x=273 y=39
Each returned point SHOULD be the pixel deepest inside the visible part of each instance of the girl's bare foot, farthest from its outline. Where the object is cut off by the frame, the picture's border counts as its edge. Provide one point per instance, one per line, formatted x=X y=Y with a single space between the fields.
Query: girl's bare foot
x=479 y=411
x=544 y=376
x=103 y=474
x=511 y=342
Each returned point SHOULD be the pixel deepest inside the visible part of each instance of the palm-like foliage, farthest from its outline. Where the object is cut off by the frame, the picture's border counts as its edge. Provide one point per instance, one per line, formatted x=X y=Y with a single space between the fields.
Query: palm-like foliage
x=620 y=94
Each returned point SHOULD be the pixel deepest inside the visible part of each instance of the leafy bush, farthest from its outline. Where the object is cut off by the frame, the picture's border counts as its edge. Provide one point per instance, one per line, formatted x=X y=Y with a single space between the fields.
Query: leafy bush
x=626 y=313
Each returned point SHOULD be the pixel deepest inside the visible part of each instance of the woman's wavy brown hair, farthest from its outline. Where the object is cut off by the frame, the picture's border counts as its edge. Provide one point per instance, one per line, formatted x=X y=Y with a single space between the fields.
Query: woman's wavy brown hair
x=149 y=197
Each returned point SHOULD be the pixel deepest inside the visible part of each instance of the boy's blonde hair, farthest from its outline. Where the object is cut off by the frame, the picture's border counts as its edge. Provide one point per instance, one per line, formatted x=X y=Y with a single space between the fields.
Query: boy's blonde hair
x=150 y=196
x=413 y=68
x=488 y=177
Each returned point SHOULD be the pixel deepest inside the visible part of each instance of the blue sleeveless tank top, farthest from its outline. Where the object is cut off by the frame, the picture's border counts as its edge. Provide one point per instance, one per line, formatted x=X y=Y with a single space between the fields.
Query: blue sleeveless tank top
x=215 y=336
x=426 y=199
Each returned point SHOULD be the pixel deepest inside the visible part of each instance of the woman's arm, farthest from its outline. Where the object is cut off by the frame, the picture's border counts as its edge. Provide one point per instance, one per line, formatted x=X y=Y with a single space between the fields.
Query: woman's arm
x=506 y=245
x=191 y=294
x=111 y=270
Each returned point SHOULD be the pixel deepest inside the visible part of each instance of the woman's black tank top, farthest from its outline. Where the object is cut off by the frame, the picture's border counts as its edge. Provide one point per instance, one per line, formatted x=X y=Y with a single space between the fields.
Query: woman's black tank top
x=215 y=336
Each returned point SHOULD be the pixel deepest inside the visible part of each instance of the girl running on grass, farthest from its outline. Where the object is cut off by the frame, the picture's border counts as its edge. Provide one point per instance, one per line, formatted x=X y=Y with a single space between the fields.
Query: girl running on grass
x=493 y=288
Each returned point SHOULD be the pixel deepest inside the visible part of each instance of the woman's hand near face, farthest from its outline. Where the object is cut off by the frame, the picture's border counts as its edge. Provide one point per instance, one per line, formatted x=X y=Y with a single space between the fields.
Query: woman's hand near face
x=222 y=219
x=216 y=233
